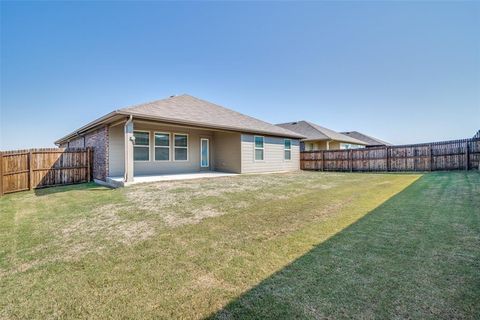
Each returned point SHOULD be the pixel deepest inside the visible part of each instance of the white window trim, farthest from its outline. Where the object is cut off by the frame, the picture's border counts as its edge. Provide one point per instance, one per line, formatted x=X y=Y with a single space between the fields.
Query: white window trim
x=175 y=147
x=255 y=148
x=285 y=149
x=208 y=152
x=169 y=146
x=149 y=144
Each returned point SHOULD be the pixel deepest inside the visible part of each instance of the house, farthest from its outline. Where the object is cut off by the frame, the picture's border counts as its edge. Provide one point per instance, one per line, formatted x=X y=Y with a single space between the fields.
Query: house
x=370 y=141
x=183 y=134
x=321 y=138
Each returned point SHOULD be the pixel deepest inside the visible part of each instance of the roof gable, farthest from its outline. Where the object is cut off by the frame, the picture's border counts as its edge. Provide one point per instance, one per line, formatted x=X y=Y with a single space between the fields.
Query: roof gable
x=313 y=131
x=370 y=141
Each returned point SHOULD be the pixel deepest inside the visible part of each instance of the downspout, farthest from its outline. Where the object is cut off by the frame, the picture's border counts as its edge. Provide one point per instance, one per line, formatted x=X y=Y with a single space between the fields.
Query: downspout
x=125 y=128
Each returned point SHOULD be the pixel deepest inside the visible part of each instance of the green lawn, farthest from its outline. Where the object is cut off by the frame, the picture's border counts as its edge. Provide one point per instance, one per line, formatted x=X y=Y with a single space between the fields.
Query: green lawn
x=298 y=245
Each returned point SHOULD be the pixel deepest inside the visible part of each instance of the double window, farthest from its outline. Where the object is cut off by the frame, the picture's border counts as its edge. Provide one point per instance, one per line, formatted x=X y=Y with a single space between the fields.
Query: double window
x=259 y=148
x=162 y=146
x=141 y=149
x=287 y=149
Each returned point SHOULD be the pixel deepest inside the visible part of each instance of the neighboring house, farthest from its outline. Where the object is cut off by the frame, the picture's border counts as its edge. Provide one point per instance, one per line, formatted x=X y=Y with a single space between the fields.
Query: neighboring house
x=321 y=138
x=184 y=134
x=370 y=141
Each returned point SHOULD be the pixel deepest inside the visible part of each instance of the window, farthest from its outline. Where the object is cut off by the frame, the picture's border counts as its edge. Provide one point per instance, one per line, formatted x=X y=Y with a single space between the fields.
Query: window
x=141 y=149
x=287 y=149
x=162 y=146
x=180 y=144
x=259 y=147
x=347 y=146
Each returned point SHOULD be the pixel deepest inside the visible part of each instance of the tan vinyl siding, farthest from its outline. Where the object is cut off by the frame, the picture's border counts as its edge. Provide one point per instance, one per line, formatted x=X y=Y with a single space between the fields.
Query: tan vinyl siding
x=315 y=145
x=116 y=151
x=273 y=155
x=334 y=145
x=227 y=152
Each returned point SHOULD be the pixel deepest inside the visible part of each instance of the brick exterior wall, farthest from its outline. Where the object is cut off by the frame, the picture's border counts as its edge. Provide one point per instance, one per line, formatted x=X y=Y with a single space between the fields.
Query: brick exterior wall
x=77 y=143
x=98 y=140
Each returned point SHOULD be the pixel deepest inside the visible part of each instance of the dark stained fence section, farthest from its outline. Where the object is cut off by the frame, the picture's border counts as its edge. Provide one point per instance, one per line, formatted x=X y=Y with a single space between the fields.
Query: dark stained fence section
x=445 y=155
x=37 y=168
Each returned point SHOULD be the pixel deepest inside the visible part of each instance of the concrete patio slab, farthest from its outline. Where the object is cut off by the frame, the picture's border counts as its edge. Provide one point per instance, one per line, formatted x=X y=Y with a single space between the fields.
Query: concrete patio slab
x=117 y=182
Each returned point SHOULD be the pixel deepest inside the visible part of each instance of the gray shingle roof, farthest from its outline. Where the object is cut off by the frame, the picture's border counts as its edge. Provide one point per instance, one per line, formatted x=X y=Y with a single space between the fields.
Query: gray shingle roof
x=191 y=110
x=188 y=110
x=313 y=131
x=370 y=141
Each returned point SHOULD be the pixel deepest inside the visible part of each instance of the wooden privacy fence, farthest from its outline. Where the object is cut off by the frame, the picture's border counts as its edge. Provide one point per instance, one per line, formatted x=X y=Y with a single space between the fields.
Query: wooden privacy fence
x=36 y=168
x=446 y=155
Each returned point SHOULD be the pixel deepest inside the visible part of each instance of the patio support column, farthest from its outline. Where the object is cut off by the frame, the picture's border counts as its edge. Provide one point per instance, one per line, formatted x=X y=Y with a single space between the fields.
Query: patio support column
x=129 y=141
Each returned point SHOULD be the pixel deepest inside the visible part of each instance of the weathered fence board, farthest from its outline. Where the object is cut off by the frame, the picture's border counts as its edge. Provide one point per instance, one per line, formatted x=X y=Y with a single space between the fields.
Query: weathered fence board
x=36 y=168
x=445 y=155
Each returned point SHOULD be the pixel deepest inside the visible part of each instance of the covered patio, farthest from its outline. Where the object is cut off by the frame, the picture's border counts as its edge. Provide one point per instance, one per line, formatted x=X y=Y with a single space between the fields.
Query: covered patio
x=148 y=151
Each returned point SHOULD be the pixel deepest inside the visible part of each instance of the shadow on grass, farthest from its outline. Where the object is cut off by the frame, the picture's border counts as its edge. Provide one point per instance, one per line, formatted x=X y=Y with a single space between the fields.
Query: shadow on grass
x=415 y=256
x=90 y=186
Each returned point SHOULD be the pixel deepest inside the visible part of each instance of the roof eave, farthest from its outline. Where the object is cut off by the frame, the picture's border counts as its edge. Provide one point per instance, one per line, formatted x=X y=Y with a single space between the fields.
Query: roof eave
x=339 y=140
x=87 y=127
x=316 y=139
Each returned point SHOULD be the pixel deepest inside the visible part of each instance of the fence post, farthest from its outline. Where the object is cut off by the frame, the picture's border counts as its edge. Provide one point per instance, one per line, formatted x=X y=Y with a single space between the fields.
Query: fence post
x=88 y=164
x=350 y=160
x=30 y=170
x=1 y=174
x=414 y=159
x=466 y=156
x=323 y=160
x=387 y=158
x=430 y=157
x=91 y=164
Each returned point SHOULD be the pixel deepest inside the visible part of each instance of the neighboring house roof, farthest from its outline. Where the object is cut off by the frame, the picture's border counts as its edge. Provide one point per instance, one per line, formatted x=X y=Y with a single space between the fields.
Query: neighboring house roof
x=370 y=141
x=477 y=135
x=314 y=132
x=188 y=110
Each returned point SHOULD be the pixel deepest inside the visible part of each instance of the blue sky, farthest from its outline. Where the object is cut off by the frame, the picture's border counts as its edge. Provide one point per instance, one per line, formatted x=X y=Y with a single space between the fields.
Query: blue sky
x=405 y=72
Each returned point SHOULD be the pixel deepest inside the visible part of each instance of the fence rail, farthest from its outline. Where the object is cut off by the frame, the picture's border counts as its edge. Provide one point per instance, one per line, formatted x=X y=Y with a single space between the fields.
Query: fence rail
x=37 y=168
x=445 y=155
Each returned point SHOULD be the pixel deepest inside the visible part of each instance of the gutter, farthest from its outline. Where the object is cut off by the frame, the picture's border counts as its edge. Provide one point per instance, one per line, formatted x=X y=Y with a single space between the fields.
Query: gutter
x=289 y=134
